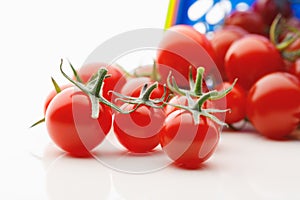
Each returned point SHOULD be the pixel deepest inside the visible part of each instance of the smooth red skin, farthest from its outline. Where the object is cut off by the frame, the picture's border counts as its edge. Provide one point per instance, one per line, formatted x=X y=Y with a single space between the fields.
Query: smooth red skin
x=235 y=101
x=187 y=144
x=52 y=94
x=70 y=126
x=115 y=82
x=221 y=41
x=295 y=68
x=268 y=9
x=248 y=20
x=273 y=105
x=139 y=131
x=250 y=58
x=177 y=53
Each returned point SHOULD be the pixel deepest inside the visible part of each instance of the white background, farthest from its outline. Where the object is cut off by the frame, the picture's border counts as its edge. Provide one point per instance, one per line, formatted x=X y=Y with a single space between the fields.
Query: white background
x=35 y=35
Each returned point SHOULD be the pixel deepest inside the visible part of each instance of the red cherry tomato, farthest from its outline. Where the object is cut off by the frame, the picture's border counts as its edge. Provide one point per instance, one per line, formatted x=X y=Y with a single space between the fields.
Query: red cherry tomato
x=181 y=47
x=273 y=105
x=69 y=123
x=236 y=102
x=250 y=58
x=269 y=9
x=221 y=41
x=115 y=82
x=248 y=20
x=186 y=143
x=139 y=130
x=52 y=94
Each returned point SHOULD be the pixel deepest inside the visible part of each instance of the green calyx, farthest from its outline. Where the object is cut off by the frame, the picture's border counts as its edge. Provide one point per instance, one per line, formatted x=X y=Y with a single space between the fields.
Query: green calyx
x=144 y=97
x=280 y=28
x=196 y=97
x=93 y=89
x=58 y=90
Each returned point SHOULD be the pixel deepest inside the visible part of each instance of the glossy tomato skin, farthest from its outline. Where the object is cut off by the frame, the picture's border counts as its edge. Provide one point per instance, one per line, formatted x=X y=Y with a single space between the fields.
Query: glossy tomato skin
x=250 y=58
x=188 y=144
x=235 y=101
x=70 y=126
x=221 y=41
x=115 y=82
x=273 y=105
x=139 y=131
x=181 y=47
x=248 y=20
x=52 y=94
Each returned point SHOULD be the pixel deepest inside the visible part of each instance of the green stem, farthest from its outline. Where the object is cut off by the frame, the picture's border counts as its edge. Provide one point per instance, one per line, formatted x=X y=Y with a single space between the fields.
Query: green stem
x=155 y=76
x=37 y=123
x=199 y=80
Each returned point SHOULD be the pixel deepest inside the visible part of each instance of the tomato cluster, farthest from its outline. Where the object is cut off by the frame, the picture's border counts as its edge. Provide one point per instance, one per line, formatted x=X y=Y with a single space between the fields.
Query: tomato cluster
x=179 y=102
x=260 y=47
x=141 y=111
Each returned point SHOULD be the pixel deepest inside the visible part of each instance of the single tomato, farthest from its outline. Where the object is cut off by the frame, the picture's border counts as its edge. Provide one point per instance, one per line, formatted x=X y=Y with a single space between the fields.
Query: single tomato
x=273 y=105
x=186 y=143
x=69 y=123
x=183 y=47
x=139 y=131
x=250 y=58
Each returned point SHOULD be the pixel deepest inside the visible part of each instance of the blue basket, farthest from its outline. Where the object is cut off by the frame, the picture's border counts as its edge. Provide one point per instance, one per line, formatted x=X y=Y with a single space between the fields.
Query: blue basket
x=207 y=15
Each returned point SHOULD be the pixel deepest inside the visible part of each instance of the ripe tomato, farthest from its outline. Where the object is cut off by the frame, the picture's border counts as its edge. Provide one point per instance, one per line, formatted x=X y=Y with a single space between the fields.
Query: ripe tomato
x=236 y=102
x=250 y=58
x=248 y=20
x=186 y=143
x=139 y=130
x=69 y=123
x=114 y=82
x=181 y=47
x=221 y=41
x=52 y=94
x=273 y=105
x=269 y=9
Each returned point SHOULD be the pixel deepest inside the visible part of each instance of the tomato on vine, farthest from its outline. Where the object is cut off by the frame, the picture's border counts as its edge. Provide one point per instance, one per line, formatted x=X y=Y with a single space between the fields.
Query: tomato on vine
x=70 y=125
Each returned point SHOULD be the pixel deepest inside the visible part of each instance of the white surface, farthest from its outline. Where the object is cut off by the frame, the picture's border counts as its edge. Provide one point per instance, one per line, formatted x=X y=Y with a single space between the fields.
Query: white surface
x=34 y=36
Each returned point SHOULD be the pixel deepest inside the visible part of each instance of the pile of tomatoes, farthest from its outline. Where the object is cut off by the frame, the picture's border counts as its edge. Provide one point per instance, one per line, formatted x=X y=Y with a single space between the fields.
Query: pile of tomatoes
x=180 y=103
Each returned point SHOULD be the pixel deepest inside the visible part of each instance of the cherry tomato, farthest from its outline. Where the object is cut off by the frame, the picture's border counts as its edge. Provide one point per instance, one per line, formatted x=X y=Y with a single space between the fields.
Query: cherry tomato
x=52 y=94
x=236 y=102
x=139 y=130
x=181 y=47
x=250 y=58
x=221 y=41
x=269 y=9
x=248 y=20
x=186 y=143
x=115 y=82
x=273 y=105
x=69 y=123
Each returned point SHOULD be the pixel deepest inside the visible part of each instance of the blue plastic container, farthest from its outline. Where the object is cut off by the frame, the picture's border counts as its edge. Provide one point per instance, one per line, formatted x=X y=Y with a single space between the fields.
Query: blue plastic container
x=208 y=15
